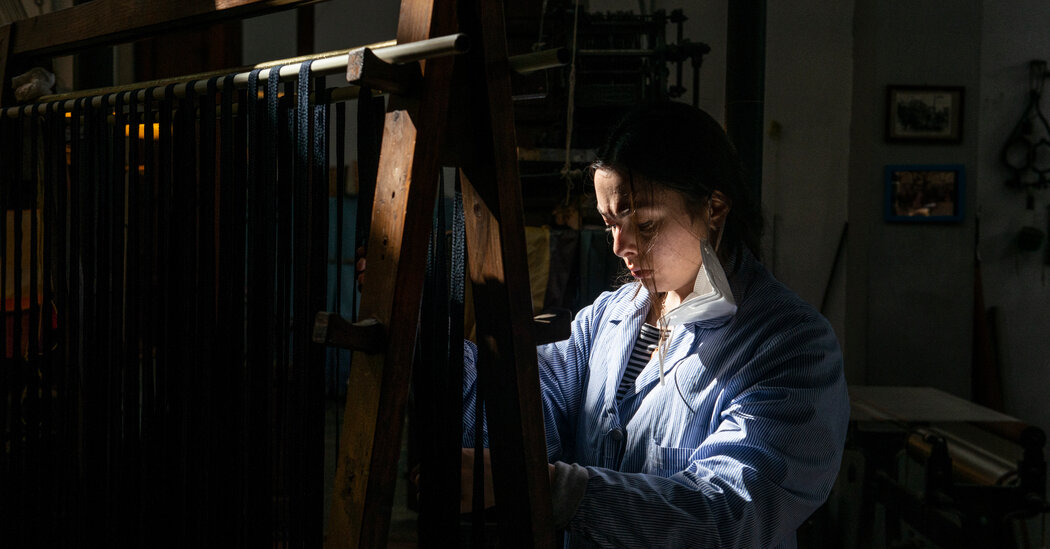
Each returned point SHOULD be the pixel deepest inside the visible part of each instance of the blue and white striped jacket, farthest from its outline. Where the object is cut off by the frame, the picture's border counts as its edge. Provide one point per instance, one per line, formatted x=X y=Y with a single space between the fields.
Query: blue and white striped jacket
x=736 y=448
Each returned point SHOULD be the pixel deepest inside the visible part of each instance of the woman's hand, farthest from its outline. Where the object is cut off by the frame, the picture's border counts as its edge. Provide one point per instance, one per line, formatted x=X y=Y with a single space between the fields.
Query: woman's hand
x=466 y=480
x=359 y=266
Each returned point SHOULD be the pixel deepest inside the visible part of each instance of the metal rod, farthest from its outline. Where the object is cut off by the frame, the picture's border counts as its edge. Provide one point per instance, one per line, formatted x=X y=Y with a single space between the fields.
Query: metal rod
x=323 y=64
x=424 y=49
x=544 y=59
x=617 y=53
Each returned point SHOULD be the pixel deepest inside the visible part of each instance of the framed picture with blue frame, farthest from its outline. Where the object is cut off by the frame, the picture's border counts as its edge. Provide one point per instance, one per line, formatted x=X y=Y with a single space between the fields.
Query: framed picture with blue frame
x=925 y=193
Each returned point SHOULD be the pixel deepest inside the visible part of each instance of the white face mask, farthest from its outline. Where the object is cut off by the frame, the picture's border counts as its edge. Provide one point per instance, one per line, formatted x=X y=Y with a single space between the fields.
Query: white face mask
x=711 y=297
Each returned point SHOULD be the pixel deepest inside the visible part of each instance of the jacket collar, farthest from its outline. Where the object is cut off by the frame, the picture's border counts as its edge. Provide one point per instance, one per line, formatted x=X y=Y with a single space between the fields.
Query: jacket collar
x=740 y=268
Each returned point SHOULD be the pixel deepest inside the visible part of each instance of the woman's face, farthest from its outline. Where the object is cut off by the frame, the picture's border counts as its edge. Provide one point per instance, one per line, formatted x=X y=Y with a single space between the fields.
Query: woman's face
x=652 y=231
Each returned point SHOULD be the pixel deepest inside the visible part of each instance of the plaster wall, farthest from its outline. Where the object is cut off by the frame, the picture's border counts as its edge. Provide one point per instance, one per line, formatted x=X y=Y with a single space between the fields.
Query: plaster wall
x=1015 y=281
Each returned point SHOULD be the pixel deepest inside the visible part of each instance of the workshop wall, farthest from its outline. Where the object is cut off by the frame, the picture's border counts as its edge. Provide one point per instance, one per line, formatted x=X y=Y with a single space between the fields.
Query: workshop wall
x=1015 y=281
x=809 y=67
x=910 y=285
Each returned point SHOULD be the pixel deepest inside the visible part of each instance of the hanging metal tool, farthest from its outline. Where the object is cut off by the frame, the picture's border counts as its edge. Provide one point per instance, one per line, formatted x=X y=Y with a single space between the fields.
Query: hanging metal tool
x=1026 y=152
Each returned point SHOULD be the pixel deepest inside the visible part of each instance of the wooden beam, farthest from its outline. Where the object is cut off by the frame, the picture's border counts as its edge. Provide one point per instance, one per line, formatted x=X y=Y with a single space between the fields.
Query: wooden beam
x=5 y=51
x=214 y=47
x=103 y=22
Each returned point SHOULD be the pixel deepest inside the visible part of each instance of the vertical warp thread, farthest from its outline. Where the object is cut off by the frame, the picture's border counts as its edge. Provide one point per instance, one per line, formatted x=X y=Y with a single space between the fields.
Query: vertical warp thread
x=230 y=359
x=146 y=314
x=17 y=367
x=134 y=306
x=257 y=512
x=7 y=386
x=299 y=305
x=317 y=282
x=288 y=166
x=54 y=220
x=206 y=308
x=7 y=477
x=169 y=406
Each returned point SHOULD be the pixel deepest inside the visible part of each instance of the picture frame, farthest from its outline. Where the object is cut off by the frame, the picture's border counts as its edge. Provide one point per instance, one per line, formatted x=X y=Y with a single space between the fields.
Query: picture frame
x=924 y=114
x=925 y=193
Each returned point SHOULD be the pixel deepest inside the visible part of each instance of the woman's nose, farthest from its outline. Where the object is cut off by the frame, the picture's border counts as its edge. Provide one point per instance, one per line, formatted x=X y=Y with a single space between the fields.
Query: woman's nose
x=624 y=242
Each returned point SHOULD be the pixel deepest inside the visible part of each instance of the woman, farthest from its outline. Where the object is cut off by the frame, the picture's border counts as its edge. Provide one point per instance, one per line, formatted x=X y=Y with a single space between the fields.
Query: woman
x=704 y=403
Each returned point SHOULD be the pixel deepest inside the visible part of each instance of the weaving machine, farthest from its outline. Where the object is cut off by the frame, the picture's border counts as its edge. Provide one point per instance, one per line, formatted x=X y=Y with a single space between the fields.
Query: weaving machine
x=945 y=471
x=162 y=381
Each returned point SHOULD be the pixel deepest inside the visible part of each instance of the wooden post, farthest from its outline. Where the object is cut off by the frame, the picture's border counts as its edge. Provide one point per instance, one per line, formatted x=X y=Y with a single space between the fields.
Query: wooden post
x=406 y=188
x=499 y=273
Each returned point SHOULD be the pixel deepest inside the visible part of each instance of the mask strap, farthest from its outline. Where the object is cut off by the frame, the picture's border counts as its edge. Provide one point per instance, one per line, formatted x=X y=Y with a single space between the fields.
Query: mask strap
x=718 y=241
x=721 y=230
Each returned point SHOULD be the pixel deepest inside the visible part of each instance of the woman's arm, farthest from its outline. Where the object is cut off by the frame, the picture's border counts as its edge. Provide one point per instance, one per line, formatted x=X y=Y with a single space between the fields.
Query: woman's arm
x=769 y=464
x=562 y=371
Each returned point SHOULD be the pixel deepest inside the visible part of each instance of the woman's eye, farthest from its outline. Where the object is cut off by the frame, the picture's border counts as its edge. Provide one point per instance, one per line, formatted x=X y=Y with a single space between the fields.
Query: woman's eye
x=646 y=226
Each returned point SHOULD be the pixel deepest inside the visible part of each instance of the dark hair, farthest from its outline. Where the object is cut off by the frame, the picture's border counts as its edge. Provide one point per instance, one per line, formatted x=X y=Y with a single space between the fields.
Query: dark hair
x=682 y=148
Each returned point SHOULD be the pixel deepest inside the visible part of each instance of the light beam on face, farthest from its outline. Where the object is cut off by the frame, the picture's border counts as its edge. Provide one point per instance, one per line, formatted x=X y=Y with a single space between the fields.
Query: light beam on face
x=636 y=217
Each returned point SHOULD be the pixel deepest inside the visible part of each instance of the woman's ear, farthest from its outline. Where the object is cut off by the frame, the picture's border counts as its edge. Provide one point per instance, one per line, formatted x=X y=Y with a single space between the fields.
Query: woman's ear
x=718 y=207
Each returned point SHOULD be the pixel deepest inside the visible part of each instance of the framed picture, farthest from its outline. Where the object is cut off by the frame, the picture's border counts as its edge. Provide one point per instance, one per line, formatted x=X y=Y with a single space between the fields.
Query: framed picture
x=924 y=114
x=923 y=194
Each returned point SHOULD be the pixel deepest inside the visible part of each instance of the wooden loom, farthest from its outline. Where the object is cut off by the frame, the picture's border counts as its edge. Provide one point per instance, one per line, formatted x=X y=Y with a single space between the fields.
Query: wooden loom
x=467 y=95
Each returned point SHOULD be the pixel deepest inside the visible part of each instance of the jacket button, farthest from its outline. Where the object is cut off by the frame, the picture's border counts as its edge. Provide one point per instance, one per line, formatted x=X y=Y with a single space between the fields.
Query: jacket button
x=616 y=434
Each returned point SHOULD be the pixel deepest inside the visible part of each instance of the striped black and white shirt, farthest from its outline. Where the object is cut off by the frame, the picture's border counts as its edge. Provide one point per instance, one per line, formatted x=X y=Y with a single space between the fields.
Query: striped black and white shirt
x=644 y=346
